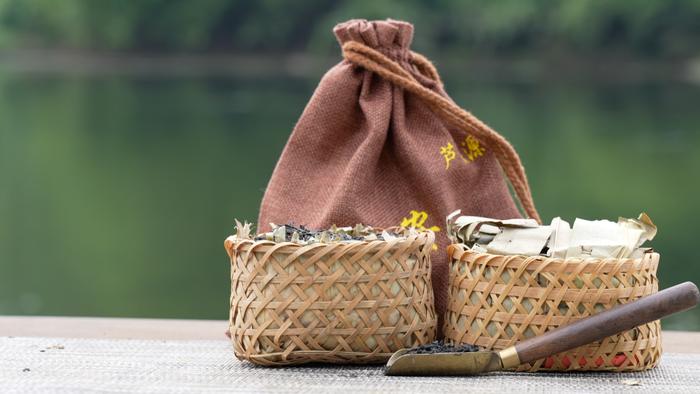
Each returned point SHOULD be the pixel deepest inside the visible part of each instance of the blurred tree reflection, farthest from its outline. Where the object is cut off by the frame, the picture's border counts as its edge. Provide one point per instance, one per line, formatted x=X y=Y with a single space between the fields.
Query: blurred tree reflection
x=651 y=27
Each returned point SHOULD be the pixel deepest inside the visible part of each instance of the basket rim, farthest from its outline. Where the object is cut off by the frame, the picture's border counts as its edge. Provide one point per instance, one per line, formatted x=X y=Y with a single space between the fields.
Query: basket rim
x=460 y=250
x=233 y=243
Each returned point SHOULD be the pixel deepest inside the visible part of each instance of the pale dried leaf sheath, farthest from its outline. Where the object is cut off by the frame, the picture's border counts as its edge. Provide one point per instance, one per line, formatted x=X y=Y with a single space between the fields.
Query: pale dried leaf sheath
x=524 y=241
x=588 y=238
x=561 y=236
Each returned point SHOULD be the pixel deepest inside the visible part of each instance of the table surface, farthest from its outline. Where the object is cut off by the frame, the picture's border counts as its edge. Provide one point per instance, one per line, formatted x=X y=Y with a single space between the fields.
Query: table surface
x=178 y=329
x=75 y=354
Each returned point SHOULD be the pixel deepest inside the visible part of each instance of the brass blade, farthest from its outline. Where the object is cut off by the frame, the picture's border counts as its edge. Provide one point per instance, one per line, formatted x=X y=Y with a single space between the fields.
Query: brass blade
x=446 y=364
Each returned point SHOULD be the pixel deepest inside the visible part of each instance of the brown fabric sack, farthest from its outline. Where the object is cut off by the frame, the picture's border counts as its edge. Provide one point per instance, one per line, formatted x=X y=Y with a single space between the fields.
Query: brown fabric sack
x=381 y=143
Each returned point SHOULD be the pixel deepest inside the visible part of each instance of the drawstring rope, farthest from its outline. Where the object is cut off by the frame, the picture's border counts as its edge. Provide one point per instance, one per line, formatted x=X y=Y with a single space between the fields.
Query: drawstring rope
x=375 y=61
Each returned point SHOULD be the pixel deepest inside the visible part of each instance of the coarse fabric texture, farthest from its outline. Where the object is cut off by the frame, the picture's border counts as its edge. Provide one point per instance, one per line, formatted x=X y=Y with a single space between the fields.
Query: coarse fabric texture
x=381 y=143
x=497 y=301
x=137 y=366
x=342 y=302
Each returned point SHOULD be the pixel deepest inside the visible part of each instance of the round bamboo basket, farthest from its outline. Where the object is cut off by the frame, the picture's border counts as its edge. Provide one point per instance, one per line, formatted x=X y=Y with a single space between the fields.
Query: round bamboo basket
x=495 y=301
x=355 y=302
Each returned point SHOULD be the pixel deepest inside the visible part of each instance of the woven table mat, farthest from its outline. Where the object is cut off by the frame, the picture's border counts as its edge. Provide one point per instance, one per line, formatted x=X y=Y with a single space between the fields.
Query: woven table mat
x=86 y=365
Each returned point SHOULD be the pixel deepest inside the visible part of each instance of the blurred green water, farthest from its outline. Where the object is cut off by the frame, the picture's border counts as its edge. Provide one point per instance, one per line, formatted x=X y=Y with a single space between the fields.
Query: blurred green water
x=116 y=192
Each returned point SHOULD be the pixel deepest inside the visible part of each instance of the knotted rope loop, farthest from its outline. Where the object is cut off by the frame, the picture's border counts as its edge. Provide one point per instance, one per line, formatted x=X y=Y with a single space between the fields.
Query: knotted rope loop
x=373 y=60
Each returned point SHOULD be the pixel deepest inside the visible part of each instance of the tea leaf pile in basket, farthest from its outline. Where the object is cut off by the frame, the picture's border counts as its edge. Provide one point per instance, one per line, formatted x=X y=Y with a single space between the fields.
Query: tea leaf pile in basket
x=304 y=236
x=587 y=238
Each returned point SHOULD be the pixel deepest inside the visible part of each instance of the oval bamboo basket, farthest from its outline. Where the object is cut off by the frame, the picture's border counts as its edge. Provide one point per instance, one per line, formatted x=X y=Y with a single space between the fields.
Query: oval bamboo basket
x=355 y=302
x=495 y=301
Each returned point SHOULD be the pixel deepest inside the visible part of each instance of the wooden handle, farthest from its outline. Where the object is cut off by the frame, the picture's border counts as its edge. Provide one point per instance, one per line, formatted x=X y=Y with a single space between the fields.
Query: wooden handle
x=613 y=321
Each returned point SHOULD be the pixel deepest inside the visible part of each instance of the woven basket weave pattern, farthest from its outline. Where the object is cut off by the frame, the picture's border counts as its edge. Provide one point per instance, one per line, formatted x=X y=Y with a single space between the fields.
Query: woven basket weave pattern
x=342 y=302
x=496 y=301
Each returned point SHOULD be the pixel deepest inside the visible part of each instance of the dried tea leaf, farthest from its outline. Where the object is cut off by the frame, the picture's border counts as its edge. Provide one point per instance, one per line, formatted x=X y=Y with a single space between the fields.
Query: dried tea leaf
x=411 y=232
x=243 y=230
x=644 y=224
x=325 y=237
x=343 y=230
x=358 y=230
x=371 y=237
x=387 y=236
x=279 y=234
x=631 y=382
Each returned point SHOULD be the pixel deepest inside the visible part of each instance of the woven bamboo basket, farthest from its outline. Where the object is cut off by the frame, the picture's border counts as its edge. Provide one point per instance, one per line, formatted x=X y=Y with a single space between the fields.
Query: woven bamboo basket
x=353 y=302
x=495 y=301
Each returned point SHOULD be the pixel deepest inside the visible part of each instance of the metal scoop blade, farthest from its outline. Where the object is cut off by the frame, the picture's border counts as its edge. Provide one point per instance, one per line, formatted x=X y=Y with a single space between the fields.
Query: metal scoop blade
x=465 y=363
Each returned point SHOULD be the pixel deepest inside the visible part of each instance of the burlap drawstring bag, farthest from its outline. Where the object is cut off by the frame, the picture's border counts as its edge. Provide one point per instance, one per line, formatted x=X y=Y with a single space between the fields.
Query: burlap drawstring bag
x=381 y=143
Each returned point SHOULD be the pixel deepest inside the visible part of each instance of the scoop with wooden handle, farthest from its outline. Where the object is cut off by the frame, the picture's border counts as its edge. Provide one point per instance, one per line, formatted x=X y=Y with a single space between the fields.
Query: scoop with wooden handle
x=582 y=332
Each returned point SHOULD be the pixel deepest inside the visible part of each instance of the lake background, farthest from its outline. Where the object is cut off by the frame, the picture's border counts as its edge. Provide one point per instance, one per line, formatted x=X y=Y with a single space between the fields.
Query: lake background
x=122 y=166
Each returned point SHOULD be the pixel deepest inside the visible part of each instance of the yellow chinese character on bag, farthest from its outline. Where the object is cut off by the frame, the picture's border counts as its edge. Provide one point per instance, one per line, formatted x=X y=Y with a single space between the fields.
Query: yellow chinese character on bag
x=417 y=220
x=448 y=152
x=471 y=148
